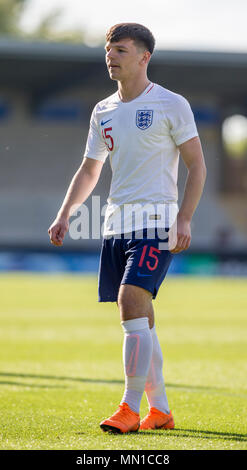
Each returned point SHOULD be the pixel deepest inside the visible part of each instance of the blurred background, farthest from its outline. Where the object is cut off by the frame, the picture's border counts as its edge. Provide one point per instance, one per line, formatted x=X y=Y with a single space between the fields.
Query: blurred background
x=52 y=73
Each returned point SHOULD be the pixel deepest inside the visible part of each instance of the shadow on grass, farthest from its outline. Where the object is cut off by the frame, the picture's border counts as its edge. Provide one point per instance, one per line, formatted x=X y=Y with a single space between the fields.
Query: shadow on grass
x=180 y=433
x=23 y=384
x=54 y=377
x=188 y=388
x=199 y=434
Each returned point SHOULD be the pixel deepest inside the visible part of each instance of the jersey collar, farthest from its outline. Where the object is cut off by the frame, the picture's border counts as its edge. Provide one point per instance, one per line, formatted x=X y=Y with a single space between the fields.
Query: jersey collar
x=145 y=92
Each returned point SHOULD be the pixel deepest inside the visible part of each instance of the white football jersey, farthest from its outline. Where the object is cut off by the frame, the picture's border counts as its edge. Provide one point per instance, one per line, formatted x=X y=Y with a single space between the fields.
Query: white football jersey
x=141 y=138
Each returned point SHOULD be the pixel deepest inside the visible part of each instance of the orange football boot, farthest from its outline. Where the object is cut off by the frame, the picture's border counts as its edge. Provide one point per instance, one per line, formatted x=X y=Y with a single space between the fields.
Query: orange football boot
x=155 y=419
x=124 y=420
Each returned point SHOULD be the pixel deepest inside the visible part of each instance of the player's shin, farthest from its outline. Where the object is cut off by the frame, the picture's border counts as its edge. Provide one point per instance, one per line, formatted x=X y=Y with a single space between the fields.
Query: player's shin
x=155 y=386
x=137 y=353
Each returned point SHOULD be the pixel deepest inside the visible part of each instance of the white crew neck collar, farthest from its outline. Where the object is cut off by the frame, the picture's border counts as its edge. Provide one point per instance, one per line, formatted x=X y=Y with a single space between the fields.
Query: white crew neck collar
x=144 y=92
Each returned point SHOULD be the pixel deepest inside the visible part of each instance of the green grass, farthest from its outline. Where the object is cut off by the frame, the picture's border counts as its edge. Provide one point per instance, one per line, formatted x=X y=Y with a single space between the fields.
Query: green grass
x=61 y=364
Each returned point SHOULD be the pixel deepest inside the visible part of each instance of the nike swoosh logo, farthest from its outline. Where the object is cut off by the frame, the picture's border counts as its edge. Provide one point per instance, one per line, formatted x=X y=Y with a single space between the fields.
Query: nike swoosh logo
x=143 y=275
x=103 y=123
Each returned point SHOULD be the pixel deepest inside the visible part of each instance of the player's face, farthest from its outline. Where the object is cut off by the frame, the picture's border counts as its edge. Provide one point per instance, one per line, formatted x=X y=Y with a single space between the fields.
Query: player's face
x=124 y=60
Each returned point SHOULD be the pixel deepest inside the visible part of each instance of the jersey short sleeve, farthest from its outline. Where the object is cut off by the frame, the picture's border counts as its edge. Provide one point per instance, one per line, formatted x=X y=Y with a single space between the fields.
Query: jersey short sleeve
x=181 y=120
x=95 y=146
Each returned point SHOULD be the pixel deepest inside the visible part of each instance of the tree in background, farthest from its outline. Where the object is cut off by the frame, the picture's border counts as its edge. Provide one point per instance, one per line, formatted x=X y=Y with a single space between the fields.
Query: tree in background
x=10 y=15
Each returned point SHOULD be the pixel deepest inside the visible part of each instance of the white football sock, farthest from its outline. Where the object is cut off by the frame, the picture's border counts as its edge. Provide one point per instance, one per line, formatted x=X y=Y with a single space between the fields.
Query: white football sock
x=155 y=386
x=137 y=353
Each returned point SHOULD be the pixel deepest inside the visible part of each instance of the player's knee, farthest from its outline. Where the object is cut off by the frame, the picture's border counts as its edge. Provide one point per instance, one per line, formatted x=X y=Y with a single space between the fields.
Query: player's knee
x=126 y=305
x=133 y=303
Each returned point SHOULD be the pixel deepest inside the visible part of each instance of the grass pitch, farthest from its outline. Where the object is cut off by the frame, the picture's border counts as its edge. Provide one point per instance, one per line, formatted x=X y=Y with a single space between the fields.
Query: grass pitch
x=61 y=367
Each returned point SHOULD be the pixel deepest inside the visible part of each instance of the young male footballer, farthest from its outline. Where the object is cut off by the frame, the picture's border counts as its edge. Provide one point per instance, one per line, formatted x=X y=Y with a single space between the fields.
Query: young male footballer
x=143 y=127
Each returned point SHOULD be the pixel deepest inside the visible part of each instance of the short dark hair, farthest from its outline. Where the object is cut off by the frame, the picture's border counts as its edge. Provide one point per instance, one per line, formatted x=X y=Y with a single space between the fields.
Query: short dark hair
x=137 y=32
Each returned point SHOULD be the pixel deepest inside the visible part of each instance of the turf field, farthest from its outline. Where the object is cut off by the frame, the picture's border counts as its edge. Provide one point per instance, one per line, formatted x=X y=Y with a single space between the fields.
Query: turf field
x=61 y=364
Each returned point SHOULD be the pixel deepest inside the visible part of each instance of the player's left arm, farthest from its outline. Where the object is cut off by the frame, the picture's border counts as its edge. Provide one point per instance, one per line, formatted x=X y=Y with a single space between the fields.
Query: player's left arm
x=192 y=155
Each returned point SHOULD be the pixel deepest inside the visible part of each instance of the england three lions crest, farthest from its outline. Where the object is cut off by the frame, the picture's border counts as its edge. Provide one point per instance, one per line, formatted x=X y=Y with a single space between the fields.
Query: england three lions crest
x=144 y=118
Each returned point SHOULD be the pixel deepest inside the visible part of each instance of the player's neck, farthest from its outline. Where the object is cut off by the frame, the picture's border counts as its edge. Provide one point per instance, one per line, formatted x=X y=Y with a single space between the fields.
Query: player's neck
x=130 y=89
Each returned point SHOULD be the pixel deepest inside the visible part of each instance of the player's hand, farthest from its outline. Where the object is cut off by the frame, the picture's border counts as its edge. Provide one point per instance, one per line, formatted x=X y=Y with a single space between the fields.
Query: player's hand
x=58 y=230
x=183 y=235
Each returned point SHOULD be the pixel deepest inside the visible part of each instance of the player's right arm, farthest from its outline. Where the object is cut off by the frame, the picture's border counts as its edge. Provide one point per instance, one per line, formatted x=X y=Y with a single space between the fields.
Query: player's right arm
x=81 y=186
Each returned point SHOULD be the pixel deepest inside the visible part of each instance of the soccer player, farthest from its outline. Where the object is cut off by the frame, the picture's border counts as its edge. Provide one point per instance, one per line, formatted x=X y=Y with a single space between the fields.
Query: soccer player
x=143 y=127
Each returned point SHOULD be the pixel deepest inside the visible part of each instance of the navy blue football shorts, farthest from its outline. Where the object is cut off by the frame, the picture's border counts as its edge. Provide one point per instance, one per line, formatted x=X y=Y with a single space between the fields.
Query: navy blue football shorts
x=136 y=261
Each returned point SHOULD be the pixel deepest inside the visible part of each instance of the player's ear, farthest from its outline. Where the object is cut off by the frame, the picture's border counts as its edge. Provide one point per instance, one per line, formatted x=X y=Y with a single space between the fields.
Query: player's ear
x=146 y=57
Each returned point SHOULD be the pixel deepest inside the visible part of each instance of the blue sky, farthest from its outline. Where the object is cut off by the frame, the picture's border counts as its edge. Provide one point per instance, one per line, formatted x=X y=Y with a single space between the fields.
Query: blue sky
x=176 y=24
